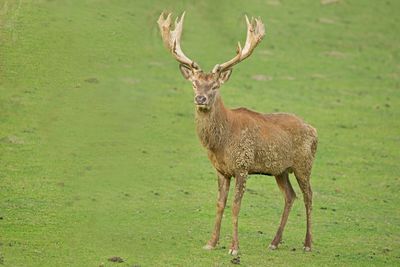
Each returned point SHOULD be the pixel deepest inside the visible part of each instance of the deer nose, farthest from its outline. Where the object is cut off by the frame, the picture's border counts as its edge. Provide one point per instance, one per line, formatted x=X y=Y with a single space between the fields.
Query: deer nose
x=200 y=99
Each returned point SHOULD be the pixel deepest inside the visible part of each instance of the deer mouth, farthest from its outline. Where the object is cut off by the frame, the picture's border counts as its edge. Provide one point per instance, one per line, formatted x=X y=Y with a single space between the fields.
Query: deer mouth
x=202 y=107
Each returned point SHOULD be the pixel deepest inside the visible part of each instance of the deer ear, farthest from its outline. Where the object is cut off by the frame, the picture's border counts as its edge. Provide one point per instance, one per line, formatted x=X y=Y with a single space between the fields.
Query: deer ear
x=186 y=72
x=224 y=76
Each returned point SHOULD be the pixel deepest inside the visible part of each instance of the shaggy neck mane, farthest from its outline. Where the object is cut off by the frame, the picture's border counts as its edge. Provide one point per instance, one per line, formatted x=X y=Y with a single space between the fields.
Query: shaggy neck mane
x=212 y=125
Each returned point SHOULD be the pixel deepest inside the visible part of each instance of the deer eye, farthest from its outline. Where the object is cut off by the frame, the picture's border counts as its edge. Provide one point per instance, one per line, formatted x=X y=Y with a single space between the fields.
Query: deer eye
x=214 y=87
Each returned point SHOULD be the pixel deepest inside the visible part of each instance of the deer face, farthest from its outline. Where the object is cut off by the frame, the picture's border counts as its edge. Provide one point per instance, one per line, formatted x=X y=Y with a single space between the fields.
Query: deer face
x=205 y=85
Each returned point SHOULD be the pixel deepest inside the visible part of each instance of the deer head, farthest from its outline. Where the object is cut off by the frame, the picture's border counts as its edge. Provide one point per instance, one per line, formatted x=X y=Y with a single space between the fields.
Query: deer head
x=206 y=85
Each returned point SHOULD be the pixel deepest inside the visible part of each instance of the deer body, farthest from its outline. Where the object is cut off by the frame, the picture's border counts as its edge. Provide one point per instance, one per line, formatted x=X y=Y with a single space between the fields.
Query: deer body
x=244 y=141
x=241 y=142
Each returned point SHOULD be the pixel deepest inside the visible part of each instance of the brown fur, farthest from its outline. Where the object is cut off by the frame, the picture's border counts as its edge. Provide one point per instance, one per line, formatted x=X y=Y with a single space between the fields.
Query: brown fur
x=244 y=141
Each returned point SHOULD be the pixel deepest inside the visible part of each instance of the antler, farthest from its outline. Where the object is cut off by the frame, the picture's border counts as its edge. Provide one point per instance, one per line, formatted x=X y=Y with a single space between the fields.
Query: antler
x=255 y=33
x=172 y=39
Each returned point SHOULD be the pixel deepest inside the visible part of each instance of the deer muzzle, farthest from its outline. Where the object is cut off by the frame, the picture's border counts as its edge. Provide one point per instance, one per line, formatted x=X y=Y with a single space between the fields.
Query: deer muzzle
x=200 y=100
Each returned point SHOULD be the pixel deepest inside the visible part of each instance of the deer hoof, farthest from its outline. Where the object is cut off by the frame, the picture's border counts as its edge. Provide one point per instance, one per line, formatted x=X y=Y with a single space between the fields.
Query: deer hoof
x=233 y=252
x=307 y=249
x=272 y=247
x=208 y=247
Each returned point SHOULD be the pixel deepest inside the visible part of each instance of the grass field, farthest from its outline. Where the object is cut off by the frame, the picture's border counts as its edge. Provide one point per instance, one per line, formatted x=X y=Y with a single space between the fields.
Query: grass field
x=99 y=156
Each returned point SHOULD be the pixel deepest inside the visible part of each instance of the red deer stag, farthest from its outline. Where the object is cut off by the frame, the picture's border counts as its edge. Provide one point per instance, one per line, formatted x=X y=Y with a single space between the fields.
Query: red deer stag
x=241 y=142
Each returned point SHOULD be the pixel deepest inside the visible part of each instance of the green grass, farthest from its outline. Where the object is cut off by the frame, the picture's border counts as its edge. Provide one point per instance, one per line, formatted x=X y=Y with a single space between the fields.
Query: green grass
x=99 y=156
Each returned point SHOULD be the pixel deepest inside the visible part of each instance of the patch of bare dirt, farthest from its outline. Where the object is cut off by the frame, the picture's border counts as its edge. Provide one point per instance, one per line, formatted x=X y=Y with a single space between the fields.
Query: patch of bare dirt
x=235 y=260
x=329 y=2
x=265 y=52
x=335 y=54
x=261 y=77
x=274 y=2
x=12 y=139
x=326 y=21
x=288 y=78
x=92 y=80
x=116 y=259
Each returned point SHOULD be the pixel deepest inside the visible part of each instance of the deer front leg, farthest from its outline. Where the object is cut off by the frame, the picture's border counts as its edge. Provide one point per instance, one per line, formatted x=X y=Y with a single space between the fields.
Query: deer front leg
x=223 y=189
x=239 y=191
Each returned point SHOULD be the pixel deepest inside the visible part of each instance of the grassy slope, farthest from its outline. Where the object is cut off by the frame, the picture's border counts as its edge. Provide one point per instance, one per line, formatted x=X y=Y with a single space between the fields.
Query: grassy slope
x=99 y=156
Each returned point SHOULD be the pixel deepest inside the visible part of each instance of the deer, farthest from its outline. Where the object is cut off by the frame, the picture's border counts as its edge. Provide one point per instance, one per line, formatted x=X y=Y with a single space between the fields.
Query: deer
x=241 y=142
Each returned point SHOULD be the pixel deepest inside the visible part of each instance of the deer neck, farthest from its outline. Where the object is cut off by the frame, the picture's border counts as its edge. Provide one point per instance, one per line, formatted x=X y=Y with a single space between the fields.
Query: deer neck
x=212 y=125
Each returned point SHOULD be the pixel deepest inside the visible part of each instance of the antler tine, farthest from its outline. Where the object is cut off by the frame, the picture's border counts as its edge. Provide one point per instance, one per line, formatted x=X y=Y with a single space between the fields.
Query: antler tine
x=172 y=39
x=255 y=33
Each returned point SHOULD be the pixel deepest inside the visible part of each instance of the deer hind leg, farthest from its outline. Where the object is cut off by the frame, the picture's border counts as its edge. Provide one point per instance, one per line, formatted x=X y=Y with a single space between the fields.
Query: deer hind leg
x=223 y=189
x=289 y=194
x=240 y=185
x=305 y=186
